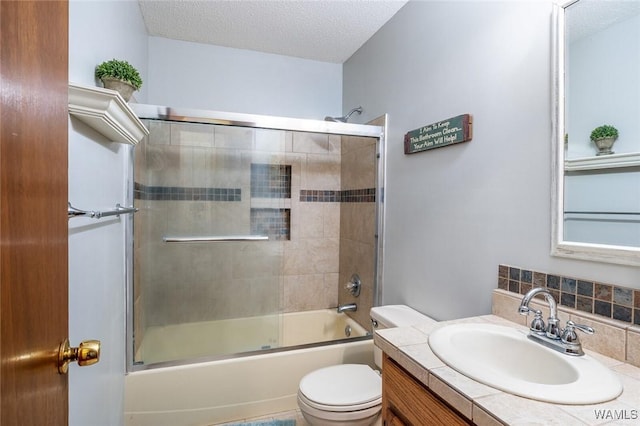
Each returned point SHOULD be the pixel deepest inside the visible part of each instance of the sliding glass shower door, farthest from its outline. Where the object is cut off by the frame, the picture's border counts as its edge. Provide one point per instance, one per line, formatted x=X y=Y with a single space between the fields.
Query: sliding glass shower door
x=214 y=206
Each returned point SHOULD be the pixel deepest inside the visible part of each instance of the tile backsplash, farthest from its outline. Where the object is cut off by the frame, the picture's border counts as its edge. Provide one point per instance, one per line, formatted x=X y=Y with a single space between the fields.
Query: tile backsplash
x=593 y=297
x=610 y=309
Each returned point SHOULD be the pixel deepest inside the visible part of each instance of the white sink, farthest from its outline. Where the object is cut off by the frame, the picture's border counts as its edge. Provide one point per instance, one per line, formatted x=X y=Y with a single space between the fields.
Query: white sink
x=504 y=358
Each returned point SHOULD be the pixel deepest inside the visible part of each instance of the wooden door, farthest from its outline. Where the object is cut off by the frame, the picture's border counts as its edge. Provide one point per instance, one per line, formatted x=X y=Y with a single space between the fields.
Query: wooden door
x=33 y=202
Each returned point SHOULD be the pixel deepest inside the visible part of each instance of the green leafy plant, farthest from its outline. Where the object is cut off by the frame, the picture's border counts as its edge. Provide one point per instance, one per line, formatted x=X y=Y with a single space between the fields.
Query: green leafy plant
x=121 y=70
x=604 y=131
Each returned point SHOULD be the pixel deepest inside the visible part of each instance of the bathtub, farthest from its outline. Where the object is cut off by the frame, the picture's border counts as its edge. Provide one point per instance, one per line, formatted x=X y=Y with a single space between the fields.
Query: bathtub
x=212 y=392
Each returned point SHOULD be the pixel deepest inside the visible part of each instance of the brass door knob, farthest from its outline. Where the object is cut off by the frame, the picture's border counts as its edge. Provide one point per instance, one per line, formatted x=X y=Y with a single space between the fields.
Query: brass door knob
x=87 y=353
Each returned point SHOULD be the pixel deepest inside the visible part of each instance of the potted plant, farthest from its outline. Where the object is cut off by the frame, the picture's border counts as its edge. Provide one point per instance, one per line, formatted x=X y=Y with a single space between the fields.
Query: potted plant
x=603 y=137
x=119 y=75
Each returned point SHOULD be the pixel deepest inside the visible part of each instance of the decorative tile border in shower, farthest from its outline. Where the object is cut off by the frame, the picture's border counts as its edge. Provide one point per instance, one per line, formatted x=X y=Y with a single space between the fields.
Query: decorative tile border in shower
x=367 y=195
x=607 y=300
x=320 y=196
x=178 y=193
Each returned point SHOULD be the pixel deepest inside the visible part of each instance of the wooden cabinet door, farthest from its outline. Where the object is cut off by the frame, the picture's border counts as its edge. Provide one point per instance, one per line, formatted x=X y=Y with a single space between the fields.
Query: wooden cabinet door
x=33 y=204
x=405 y=401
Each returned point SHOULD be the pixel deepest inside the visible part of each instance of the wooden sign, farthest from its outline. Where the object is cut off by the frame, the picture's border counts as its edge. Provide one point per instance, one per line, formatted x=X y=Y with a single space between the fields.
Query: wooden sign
x=447 y=132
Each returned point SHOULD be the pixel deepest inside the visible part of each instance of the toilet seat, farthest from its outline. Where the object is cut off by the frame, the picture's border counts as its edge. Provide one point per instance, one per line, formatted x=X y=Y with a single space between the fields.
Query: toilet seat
x=342 y=388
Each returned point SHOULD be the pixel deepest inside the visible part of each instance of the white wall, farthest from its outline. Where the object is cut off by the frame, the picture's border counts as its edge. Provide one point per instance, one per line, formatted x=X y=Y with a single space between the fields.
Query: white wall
x=193 y=75
x=99 y=31
x=454 y=213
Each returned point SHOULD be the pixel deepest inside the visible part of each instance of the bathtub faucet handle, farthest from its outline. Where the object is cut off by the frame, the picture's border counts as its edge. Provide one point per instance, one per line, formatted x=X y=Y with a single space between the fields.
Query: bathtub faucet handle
x=353 y=286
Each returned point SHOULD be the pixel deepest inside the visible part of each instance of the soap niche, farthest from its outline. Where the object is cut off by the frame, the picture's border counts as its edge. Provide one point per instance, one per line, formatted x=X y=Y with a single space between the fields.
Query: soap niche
x=275 y=223
x=270 y=181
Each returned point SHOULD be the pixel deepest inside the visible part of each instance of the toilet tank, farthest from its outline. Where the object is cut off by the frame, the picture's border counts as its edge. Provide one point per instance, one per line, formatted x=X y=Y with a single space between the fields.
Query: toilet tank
x=390 y=316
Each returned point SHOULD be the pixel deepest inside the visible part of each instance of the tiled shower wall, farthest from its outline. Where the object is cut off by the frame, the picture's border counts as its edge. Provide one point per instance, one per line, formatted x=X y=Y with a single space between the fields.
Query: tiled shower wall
x=358 y=224
x=198 y=181
x=311 y=256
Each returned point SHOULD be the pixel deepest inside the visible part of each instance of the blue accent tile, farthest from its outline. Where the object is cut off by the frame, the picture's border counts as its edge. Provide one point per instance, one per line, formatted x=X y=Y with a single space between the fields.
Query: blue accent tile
x=623 y=296
x=585 y=288
x=514 y=274
x=553 y=281
x=568 y=285
x=568 y=300
x=602 y=308
x=622 y=313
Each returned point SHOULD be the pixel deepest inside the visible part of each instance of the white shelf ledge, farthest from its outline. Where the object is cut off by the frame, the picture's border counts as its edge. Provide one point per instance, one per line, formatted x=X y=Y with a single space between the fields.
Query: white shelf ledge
x=107 y=112
x=270 y=203
x=613 y=161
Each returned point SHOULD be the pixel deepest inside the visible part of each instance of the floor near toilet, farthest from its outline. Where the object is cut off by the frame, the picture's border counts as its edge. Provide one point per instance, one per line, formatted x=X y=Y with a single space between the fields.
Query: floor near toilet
x=294 y=415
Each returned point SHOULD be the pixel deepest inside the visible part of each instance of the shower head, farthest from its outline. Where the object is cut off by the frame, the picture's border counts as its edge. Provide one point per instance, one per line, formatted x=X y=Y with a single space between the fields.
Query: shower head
x=344 y=118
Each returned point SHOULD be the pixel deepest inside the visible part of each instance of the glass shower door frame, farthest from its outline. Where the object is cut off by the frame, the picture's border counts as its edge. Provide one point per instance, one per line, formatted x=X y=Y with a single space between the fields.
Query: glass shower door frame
x=261 y=122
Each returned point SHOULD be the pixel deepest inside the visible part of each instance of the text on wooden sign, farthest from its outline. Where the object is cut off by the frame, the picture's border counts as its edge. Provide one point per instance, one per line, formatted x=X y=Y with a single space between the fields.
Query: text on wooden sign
x=446 y=132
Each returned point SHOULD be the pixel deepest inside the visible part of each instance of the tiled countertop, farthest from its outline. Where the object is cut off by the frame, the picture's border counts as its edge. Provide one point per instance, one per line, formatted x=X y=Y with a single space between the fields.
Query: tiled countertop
x=485 y=405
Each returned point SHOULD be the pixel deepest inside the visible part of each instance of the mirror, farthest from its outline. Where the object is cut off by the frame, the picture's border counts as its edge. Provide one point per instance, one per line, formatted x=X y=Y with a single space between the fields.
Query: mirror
x=596 y=197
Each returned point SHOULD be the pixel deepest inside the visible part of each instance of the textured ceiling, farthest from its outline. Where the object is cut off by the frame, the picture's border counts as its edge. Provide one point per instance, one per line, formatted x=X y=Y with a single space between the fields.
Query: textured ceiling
x=587 y=17
x=322 y=30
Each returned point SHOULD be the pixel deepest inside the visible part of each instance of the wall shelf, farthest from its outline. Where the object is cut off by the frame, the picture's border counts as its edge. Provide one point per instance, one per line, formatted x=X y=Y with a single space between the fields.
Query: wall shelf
x=613 y=161
x=106 y=112
x=270 y=203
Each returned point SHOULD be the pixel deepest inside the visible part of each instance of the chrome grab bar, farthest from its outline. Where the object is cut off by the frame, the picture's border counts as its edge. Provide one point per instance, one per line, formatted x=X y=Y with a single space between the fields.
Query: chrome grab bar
x=73 y=212
x=215 y=238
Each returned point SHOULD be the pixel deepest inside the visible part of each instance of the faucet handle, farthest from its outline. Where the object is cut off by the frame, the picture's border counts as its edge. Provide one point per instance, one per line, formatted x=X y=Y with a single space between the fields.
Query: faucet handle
x=569 y=334
x=354 y=285
x=537 y=325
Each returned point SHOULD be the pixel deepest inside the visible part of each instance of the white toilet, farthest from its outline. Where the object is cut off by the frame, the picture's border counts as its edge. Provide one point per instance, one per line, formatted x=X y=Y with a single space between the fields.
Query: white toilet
x=351 y=394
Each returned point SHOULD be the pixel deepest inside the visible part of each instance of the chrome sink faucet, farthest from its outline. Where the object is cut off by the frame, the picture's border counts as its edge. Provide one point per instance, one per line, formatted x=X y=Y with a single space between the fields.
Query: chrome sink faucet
x=551 y=335
x=552 y=330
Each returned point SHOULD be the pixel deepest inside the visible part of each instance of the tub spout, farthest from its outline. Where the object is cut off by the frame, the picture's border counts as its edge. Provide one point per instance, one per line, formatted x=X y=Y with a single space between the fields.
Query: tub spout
x=348 y=307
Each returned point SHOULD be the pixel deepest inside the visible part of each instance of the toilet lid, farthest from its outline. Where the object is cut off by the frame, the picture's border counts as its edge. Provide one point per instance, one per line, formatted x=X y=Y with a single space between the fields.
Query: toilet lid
x=345 y=385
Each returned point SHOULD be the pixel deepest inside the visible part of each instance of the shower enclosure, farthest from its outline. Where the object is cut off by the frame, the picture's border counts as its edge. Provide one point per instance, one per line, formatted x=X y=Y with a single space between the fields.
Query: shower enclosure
x=247 y=227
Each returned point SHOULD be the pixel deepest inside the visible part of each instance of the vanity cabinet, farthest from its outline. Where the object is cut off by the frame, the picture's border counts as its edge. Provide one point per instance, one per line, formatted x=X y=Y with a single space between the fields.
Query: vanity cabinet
x=406 y=401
